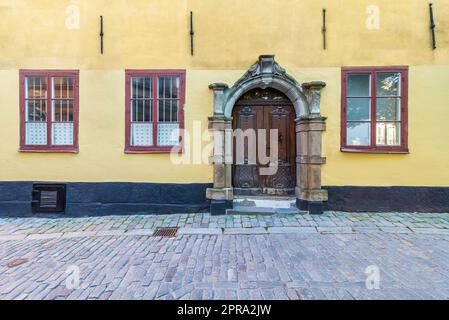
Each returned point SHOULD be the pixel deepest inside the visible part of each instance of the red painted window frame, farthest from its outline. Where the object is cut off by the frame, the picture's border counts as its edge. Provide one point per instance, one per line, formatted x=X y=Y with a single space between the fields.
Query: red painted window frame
x=154 y=74
x=373 y=148
x=49 y=147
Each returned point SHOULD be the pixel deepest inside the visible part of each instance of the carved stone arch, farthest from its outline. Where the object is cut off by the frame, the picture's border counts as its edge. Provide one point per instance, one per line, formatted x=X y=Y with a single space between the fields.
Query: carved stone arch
x=291 y=90
x=267 y=73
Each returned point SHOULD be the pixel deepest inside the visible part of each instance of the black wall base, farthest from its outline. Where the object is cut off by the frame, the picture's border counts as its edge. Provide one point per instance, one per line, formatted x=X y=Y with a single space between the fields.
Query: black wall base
x=122 y=198
x=114 y=198
x=388 y=199
x=314 y=207
x=219 y=207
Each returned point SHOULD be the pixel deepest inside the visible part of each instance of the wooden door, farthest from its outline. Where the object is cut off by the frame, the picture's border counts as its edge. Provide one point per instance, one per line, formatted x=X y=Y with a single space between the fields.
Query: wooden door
x=247 y=176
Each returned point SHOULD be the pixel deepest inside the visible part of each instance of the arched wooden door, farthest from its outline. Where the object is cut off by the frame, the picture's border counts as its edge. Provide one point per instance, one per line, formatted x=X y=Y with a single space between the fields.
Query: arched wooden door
x=264 y=109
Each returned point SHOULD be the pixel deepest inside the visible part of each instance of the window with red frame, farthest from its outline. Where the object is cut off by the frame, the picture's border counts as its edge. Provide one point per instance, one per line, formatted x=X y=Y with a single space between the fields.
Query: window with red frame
x=374 y=110
x=49 y=111
x=154 y=110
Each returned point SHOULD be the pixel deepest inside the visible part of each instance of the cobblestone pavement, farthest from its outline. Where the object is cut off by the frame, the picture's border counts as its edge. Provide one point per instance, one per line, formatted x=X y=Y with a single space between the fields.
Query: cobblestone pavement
x=232 y=257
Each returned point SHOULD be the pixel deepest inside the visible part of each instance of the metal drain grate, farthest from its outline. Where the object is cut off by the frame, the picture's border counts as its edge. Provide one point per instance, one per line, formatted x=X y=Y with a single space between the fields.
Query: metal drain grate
x=166 y=232
x=17 y=262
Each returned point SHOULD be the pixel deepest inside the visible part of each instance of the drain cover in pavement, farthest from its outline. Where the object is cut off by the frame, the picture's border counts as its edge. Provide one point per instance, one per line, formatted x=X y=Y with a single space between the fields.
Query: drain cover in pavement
x=166 y=232
x=17 y=262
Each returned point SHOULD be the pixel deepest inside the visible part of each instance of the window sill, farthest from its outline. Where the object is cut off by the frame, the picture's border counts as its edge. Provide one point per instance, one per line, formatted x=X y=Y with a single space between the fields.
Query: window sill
x=154 y=150
x=376 y=150
x=49 y=150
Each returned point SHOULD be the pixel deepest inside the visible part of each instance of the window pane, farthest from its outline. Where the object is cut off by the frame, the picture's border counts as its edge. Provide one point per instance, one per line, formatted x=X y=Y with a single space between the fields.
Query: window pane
x=175 y=85
x=358 y=133
x=165 y=110
x=63 y=88
x=62 y=134
x=35 y=87
x=70 y=111
x=141 y=88
x=36 y=133
x=358 y=109
x=174 y=111
x=168 y=110
x=161 y=87
x=168 y=134
x=57 y=110
x=388 y=84
x=168 y=87
x=388 y=133
x=388 y=109
x=62 y=110
x=141 y=110
x=359 y=85
x=36 y=110
x=141 y=134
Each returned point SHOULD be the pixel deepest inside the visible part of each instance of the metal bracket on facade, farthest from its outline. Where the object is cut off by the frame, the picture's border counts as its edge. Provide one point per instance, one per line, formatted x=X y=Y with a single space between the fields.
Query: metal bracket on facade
x=101 y=35
x=324 y=29
x=192 y=33
x=432 y=27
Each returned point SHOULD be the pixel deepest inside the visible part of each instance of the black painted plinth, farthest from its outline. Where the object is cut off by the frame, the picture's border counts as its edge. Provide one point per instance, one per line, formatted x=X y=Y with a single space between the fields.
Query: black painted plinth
x=124 y=198
x=388 y=199
x=314 y=207
x=111 y=198
x=219 y=207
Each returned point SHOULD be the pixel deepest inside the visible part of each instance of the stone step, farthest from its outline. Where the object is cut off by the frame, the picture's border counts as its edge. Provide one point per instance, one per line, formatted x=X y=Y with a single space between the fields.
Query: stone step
x=265 y=201
x=247 y=210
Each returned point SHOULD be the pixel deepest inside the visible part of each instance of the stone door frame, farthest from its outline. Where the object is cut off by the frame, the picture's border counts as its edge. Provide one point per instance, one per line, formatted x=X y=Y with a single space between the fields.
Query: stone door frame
x=305 y=98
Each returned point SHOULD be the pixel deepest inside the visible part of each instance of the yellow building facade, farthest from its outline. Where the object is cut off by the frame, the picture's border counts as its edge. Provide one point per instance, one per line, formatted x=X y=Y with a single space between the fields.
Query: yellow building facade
x=228 y=38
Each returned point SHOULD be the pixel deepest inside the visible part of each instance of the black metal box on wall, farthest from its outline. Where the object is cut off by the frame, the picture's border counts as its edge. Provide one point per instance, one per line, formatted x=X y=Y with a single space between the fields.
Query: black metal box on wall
x=48 y=198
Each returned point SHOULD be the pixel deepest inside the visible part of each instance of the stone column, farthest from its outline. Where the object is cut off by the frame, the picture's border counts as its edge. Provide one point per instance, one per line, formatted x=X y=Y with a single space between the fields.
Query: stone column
x=309 y=195
x=221 y=195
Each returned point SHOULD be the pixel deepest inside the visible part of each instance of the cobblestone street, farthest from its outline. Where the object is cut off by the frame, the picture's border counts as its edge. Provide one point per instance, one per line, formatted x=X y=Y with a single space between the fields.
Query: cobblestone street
x=226 y=257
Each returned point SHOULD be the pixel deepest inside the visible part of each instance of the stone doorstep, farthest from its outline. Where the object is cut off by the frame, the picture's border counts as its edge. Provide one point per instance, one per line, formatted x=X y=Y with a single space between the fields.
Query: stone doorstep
x=276 y=202
x=247 y=210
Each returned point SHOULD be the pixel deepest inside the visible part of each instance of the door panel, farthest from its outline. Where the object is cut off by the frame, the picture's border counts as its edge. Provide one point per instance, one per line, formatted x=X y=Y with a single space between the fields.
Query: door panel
x=280 y=118
x=247 y=177
x=246 y=174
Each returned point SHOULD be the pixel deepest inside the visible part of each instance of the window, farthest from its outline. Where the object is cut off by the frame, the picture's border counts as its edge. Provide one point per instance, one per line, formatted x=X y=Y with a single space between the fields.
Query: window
x=49 y=111
x=374 y=110
x=154 y=110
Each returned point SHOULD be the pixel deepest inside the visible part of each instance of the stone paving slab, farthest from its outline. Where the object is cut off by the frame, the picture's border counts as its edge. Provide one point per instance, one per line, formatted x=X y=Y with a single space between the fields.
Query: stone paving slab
x=282 y=230
x=208 y=231
x=6 y=237
x=256 y=230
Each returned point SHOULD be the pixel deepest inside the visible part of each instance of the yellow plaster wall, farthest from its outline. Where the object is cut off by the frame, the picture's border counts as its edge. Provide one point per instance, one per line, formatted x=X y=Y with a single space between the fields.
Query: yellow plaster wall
x=229 y=36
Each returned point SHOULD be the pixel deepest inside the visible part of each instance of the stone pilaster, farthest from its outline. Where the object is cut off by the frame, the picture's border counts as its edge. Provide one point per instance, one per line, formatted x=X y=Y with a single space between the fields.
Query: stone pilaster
x=312 y=90
x=219 y=97
x=221 y=195
x=309 y=194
